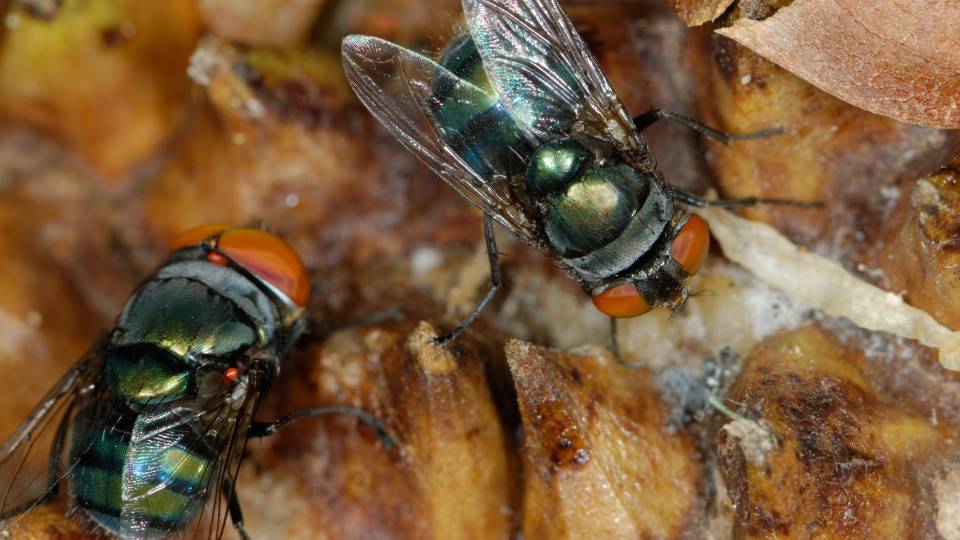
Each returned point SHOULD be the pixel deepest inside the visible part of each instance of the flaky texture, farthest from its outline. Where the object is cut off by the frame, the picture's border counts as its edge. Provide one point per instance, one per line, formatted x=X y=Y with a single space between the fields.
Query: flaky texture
x=823 y=284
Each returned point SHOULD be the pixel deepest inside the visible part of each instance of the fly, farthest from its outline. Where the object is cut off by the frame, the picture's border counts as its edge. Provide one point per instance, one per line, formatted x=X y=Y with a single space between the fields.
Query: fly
x=151 y=424
x=519 y=119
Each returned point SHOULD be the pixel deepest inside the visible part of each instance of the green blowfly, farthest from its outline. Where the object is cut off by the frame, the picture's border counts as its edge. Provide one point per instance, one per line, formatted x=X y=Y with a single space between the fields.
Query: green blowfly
x=148 y=429
x=517 y=116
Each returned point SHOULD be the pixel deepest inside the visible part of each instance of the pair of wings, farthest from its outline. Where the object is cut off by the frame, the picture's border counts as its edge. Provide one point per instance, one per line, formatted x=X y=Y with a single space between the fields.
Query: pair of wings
x=38 y=453
x=544 y=75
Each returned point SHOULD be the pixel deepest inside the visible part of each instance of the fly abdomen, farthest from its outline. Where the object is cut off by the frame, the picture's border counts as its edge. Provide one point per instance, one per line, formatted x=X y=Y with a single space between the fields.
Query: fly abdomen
x=142 y=465
x=471 y=118
x=142 y=490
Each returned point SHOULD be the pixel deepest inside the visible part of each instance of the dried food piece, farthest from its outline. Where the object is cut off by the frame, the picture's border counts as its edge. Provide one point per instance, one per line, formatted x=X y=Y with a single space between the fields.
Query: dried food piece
x=697 y=12
x=835 y=457
x=852 y=160
x=923 y=257
x=824 y=284
x=895 y=58
x=453 y=475
x=600 y=460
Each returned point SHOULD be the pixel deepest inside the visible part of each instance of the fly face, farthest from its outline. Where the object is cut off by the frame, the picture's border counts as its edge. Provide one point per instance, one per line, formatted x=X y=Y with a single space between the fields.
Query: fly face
x=154 y=419
x=518 y=117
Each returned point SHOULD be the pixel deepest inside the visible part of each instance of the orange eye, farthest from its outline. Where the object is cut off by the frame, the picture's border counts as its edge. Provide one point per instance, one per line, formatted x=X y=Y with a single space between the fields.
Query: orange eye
x=691 y=245
x=621 y=301
x=231 y=374
x=269 y=258
x=194 y=236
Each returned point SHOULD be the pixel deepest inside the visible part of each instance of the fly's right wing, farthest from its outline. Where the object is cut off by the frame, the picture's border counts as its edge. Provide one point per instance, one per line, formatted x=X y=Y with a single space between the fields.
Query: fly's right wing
x=31 y=458
x=397 y=86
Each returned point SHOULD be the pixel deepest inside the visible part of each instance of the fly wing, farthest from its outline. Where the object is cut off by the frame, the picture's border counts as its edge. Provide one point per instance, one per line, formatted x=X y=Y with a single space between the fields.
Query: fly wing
x=547 y=79
x=397 y=86
x=230 y=433
x=31 y=458
x=177 y=461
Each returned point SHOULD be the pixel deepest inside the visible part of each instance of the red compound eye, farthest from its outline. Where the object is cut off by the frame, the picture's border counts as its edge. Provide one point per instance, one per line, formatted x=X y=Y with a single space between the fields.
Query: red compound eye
x=231 y=374
x=269 y=258
x=193 y=237
x=691 y=244
x=261 y=253
x=621 y=301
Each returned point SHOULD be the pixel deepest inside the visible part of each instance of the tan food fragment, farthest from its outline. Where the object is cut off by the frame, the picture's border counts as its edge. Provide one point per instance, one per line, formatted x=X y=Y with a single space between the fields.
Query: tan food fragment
x=697 y=12
x=899 y=58
x=849 y=459
x=825 y=285
x=600 y=459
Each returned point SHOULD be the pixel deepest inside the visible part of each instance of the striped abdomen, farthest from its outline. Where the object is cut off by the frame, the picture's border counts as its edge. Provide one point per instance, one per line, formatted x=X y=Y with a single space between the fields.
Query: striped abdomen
x=471 y=118
x=142 y=464
x=143 y=490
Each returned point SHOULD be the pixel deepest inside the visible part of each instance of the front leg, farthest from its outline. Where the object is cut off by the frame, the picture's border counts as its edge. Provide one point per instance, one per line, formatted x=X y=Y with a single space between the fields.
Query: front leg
x=652 y=116
x=265 y=429
x=699 y=202
x=614 y=343
x=495 y=281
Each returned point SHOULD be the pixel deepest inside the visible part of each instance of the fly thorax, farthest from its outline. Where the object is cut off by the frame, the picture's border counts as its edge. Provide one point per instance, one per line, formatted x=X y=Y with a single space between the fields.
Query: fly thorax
x=147 y=375
x=593 y=209
x=195 y=310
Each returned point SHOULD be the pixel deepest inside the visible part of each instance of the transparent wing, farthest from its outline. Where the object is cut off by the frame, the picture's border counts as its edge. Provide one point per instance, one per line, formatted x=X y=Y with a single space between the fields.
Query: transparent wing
x=397 y=86
x=176 y=461
x=31 y=458
x=225 y=428
x=546 y=77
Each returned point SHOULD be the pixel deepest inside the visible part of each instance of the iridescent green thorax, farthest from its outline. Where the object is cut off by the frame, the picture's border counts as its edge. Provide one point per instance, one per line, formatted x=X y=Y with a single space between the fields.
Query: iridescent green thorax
x=148 y=375
x=471 y=118
x=594 y=209
x=184 y=317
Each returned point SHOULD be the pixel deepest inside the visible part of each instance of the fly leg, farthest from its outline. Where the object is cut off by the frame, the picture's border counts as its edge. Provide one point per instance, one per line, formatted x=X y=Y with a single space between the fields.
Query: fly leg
x=264 y=429
x=652 y=116
x=233 y=506
x=693 y=200
x=614 y=343
x=495 y=282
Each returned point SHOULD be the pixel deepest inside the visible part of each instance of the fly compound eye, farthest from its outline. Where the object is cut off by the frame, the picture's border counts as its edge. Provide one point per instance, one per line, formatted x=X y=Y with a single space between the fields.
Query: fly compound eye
x=270 y=259
x=691 y=244
x=196 y=235
x=622 y=301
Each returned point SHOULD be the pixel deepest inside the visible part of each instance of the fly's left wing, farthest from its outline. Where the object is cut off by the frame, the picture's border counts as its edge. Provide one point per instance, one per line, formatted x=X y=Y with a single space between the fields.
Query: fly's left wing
x=397 y=85
x=32 y=458
x=547 y=79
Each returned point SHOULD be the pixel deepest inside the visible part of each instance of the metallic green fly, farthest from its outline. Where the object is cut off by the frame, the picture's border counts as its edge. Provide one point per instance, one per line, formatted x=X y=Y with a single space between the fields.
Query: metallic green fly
x=519 y=119
x=148 y=429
